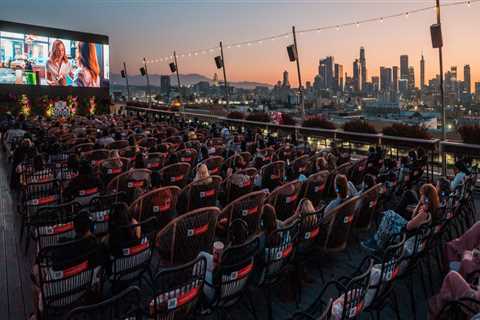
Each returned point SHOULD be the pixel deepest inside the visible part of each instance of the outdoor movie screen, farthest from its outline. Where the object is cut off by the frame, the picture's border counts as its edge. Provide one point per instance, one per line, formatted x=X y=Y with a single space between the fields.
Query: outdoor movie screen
x=29 y=59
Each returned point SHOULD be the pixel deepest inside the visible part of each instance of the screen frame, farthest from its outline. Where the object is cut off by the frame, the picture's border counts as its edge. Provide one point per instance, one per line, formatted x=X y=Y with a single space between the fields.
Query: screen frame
x=61 y=91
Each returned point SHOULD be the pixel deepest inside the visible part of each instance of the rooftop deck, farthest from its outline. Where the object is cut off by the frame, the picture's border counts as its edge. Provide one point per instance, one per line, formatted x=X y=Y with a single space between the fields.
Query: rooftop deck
x=15 y=283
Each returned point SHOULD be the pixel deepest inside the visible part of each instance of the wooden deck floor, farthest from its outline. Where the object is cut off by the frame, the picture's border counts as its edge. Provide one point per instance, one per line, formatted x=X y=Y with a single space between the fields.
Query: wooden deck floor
x=15 y=267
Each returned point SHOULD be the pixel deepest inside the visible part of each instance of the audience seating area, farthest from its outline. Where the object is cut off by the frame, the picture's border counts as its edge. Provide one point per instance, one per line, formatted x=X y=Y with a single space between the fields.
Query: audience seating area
x=121 y=217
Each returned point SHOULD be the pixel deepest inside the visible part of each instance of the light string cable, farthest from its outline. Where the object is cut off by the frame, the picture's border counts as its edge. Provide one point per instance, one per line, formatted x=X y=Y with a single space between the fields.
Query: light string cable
x=260 y=41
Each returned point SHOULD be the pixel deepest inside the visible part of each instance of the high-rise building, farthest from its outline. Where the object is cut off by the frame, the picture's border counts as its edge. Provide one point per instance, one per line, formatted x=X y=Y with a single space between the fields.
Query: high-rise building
x=403 y=86
x=385 y=79
x=363 y=63
x=285 y=82
x=422 y=73
x=395 y=78
x=165 y=84
x=477 y=91
x=411 y=78
x=376 y=84
x=453 y=73
x=325 y=70
x=467 y=79
x=339 y=80
x=357 y=76
x=404 y=67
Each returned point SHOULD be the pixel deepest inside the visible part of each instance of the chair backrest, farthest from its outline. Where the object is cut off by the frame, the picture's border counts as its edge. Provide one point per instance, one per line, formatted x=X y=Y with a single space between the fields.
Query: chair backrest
x=284 y=153
x=273 y=175
x=160 y=203
x=239 y=184
x=353 y=298
x=175 y=174
x=147 y=142
x=339 y=226
x=125 y=305
x=132 y=258
x=285 y=199
x=202 y=193
x=234 y=271
x=155 y=160
x=214 y=165
x=117 y=145
x=367 y=207
x=357 y=171
x=133 y=183
x=186 y=236
x=301 y=165
x=309 y=227
x=81 y=148
x=64 y=284
x=129 y=152
x=247 y=208
x=316 y=187
x=188 y=155
x=95 y=157
x=100 y=208
x=110 y=168
x=177 y=291
x=279 y=251
x=52 y=223
x=37 y=195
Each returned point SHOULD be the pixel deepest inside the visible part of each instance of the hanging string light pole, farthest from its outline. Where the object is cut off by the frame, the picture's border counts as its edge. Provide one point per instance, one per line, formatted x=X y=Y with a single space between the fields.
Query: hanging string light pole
x=220 y=62
x=300 y=87
x=125 y=75
x=437 y=43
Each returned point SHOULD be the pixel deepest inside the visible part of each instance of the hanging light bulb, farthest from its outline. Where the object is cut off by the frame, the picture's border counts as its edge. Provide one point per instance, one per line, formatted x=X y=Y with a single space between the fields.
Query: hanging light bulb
x=358 y=25
x=468 y=4
x=407 y=14
x=338 y=28
x=381 y=20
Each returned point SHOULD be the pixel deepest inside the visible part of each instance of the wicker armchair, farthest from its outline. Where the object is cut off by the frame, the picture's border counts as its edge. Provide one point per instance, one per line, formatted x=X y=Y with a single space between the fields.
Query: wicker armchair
x=200 y=194
x=175 y=174
x=315 y=187
x=285 y=199
x=186 y=236
x=248 y=208
x=160 y=203
x=133 y=183
x=273 y=175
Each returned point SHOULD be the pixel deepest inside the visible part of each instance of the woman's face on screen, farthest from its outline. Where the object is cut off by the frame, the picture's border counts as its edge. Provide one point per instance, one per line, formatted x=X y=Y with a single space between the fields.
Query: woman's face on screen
x=61 y=50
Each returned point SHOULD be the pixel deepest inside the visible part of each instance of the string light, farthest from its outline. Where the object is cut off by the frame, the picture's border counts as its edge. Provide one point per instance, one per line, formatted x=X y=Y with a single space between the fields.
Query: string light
x=337 y=27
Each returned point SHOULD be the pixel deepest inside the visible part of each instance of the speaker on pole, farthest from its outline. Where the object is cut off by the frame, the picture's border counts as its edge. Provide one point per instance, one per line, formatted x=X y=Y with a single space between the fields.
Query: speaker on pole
x=436 y=32
x=292 y=55
x=173 y=67
x=143 y=72
x=219 y=62
x=123 y=73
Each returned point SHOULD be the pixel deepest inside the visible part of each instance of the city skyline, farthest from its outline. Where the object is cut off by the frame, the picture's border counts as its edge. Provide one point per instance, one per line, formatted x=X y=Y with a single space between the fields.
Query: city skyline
x=161 y=26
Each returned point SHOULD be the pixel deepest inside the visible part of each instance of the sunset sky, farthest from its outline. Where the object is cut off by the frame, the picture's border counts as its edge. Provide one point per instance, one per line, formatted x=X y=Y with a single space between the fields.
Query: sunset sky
x=155 y=28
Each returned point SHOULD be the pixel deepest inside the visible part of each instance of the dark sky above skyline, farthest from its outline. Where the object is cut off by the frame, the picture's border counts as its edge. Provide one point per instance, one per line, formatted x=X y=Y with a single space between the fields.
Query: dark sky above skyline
x=155 y=28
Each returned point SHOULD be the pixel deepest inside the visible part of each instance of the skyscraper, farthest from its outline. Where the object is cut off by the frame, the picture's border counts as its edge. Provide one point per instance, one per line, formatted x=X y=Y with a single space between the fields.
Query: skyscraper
x=376 y=84
x=357 y=76
x=395 y=78
x=404 y=67
x=285 y=82
x=411 y=78
x=326 y=72
x=363 y=63
x=467 y=80
x=339 y=77
x=422 y=73
x=477 y=91
x=164 y=84
x=385 y=79
x=454 y=73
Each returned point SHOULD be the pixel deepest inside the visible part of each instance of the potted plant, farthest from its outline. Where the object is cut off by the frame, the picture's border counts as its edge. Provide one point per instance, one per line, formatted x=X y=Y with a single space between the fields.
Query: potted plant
x=236 y=115
x=359 y=125
x=258 y=117
x=318 y=122
x=407 y=131
x=470 y=133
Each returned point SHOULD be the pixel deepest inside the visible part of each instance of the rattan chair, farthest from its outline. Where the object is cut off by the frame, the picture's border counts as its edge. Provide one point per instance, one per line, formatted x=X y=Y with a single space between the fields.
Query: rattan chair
x=125 y=305
x=188 y=155
x=367 y=208
x=133 y=183
x=160 y=203
x=177 y=291
x=285 y=199
x=186 y=236
x=273 y=175
x=247 y=208
x=118 y=145
x=316 y=187
x=175 y=174
x=200 y=194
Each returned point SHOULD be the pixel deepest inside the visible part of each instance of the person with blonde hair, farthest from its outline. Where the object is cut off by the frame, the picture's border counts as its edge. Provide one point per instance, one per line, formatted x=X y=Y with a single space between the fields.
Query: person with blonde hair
x=58 y=67
x=202 y=173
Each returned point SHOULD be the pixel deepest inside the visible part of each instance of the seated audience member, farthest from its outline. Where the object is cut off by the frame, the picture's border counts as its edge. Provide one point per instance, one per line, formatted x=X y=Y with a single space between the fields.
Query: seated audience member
x=368 y=182
x=81 y=245
x=454 y=287
x=202 y=174
x=40 y=172
x=461 y=171
x=393 y=223
x=344 y=190
x=462 y=253
x=86 y=180
x=120 y=230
